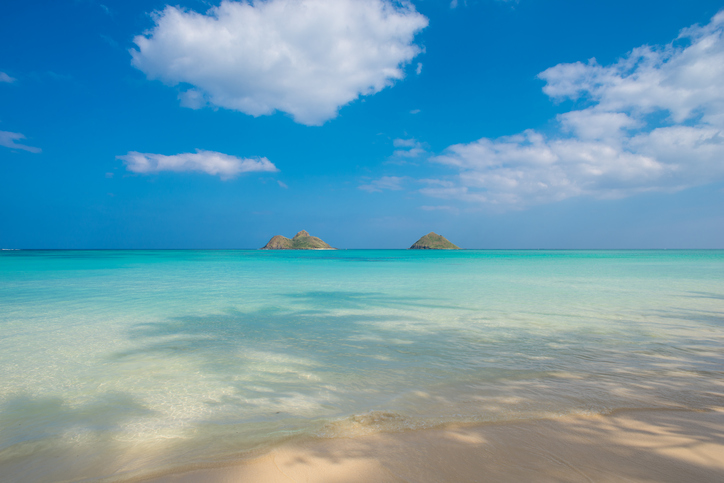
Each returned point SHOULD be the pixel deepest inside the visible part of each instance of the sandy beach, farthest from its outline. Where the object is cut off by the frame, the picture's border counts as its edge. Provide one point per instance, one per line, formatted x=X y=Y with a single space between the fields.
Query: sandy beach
x=628 y=445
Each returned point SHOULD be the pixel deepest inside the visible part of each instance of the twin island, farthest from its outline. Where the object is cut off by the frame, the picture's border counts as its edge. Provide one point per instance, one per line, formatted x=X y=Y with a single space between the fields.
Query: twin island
x=304 y=241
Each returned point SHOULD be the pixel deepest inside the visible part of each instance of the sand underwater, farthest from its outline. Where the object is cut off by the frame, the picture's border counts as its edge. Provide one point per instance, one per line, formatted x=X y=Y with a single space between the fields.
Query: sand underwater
x=361 y=365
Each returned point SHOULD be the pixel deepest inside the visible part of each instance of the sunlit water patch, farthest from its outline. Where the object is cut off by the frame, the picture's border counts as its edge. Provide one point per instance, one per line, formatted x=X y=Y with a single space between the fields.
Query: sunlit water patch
x=119 y=364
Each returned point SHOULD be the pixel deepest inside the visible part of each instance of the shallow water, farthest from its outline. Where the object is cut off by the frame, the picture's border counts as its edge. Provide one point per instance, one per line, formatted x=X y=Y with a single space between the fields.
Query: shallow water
x=115 y=364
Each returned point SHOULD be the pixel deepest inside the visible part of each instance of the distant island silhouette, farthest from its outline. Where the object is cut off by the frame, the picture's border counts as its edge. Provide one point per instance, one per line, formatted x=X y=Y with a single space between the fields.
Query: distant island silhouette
x=433 y=241
x=304 y=241
x=301 y=241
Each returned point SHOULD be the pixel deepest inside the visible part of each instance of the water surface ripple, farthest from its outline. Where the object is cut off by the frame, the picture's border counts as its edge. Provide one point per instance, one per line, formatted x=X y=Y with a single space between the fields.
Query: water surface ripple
x=116 y=364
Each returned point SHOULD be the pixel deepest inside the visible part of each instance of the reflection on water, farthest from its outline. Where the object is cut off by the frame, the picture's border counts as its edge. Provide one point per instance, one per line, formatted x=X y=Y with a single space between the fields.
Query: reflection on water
x=126 y=363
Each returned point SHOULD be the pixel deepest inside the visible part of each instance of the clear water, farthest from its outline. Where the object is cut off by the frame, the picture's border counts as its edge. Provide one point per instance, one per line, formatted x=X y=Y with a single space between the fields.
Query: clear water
x=120 y=364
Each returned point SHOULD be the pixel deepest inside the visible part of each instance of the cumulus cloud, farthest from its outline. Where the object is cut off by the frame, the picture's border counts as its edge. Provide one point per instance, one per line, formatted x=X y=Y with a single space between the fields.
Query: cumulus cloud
x=6 y=78
x=654 y=122
x=217 y=164
x=307 y=58
x=393 y=183
x=8 y=139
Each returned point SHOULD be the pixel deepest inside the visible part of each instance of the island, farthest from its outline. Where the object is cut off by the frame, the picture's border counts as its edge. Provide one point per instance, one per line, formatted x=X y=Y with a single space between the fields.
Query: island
x=301 y=241
x=433 y=241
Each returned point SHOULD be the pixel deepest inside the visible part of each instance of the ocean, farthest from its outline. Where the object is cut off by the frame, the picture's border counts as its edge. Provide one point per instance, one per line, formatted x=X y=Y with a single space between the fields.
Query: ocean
x=117 y=365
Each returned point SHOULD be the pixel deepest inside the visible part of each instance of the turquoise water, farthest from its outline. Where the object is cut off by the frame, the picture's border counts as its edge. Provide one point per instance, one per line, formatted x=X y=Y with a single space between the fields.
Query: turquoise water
x=120 y=364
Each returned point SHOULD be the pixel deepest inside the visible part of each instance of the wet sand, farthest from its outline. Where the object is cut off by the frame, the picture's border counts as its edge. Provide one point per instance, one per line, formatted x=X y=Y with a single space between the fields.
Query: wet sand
x=628 y=445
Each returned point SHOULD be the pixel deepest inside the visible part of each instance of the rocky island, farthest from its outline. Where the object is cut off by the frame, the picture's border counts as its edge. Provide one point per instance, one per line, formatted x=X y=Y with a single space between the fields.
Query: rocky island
x=301 y=241
x=433 y=241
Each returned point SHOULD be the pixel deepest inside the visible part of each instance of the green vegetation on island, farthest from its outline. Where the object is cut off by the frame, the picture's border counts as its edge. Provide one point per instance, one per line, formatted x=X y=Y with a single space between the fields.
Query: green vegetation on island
x=301 y=241
x=433 y=241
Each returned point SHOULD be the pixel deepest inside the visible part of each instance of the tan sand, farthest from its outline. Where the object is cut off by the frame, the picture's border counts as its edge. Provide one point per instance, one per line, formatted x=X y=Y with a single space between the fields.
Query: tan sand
x=633 y=445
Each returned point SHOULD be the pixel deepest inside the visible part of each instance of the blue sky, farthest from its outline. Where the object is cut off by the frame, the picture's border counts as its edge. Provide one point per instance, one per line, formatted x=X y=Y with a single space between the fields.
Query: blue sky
x=208 y=124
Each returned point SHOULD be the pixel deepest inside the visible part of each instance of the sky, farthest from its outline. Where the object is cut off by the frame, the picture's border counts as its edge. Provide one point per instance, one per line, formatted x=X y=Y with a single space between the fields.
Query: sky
x=499 y=124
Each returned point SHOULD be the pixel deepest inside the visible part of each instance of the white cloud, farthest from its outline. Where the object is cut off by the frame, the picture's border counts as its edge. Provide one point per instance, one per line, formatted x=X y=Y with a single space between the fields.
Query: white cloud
x=6 y=78
x=218 y=164
x=408 y=148
x=393 y=183
x=596 y=124
x=192 y=98
x=8 y=139
x=404 y=143
x=685 y=82
x=619 y=145
x=418 y=70
x=307 y=58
